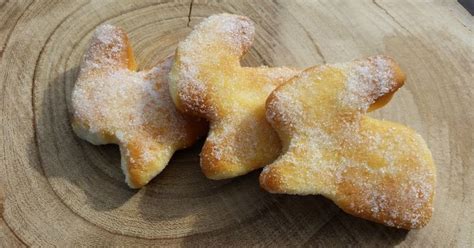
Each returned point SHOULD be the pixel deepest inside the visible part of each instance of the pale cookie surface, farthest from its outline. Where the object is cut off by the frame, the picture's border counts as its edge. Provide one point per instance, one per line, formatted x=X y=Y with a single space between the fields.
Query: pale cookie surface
x=207 y=80
x=112 y=103
x=374 y=169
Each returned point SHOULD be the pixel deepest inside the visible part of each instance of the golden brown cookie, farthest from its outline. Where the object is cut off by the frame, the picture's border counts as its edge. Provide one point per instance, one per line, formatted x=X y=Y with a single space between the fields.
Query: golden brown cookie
x=112 y=103
x=208 y=81
x=374 y=169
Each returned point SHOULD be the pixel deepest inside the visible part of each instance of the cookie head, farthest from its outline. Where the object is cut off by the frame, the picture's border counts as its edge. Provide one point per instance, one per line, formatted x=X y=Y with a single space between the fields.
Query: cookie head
x=208 y=81
x=374 y=169
x=113 y=103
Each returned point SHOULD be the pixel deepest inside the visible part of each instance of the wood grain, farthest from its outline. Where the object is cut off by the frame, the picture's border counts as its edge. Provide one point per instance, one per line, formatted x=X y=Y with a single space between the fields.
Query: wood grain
x=56 y=189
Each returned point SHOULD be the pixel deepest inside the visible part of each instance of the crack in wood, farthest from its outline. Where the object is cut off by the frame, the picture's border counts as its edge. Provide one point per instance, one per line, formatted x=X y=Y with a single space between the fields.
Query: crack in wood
x=13 y=232
x=189 y=13
x=13 y=28
x=315 y=44
x=390 y=15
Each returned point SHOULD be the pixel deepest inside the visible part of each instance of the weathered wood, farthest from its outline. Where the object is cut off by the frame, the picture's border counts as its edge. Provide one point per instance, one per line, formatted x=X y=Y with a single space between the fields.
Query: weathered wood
x=58 y=189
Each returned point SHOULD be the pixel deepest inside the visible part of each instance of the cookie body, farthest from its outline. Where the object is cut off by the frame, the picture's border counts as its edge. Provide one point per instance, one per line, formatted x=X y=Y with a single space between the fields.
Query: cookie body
x=208 y=81
x=112 y=103
x=374 y=169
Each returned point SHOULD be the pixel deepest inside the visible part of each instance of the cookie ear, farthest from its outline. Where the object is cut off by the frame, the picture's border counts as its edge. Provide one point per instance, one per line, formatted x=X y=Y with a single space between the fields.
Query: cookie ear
x=371 y=82
x=227 y=36
x=215 y=45
x=398 y=77
x=109 y=50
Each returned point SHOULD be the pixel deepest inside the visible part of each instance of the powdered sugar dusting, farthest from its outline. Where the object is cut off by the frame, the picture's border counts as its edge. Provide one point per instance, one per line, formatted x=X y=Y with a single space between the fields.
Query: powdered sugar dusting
x=399 y=189
x=374 y=169
x=129 y=104
x=218 y=36
x=208 y=80
x=107 y=50
x=107 y=35
x=234 y=33
x=367 y=80
x=116 y=105
x=286 y=115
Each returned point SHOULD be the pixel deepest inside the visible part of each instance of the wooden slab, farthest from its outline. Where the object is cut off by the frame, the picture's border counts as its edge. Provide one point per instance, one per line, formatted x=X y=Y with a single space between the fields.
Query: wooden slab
x=56 y=189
